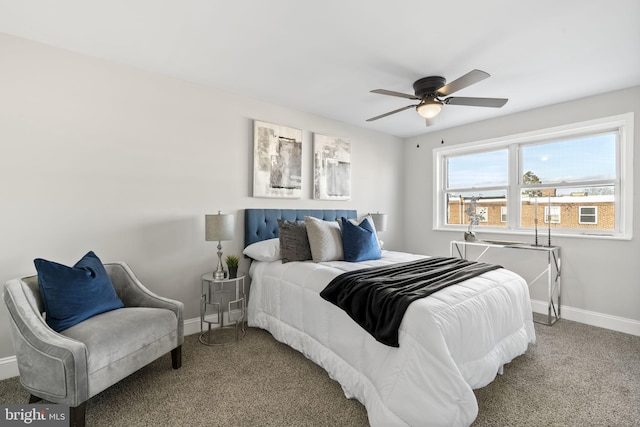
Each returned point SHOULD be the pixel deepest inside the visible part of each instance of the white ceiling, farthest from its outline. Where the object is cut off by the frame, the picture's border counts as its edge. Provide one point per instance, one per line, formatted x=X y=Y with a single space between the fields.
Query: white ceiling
x=324 y=56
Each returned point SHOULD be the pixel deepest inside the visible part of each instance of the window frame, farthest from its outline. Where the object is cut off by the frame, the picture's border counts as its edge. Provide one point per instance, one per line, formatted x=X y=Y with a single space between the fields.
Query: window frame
x=621 y=124
x=504 y=213
x=552 y=214
x=594 y=215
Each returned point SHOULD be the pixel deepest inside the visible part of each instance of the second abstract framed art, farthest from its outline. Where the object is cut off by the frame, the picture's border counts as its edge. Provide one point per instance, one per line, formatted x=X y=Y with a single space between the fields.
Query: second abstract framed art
x=331 y=168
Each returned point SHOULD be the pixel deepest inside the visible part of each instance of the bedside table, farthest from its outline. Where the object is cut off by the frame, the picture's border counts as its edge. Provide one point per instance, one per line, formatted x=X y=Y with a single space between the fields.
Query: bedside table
x=223 y=304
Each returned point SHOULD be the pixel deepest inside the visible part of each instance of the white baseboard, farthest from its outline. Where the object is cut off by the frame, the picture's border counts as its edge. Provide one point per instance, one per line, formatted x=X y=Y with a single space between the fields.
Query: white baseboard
x=606 y=321
x=9 y=365
x=192 y=326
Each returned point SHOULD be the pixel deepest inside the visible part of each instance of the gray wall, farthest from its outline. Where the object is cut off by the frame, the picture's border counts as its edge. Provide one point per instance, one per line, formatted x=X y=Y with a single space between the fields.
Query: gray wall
x=600 y=276
x=99 y=156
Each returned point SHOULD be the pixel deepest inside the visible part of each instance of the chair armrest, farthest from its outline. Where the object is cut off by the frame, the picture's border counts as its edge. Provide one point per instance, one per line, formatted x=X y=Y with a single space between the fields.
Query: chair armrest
x=51 y=365
x=134 y=294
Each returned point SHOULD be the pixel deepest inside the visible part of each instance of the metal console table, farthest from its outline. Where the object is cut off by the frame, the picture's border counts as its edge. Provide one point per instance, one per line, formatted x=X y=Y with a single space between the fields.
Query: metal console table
x=212 y=308
x=551 y=270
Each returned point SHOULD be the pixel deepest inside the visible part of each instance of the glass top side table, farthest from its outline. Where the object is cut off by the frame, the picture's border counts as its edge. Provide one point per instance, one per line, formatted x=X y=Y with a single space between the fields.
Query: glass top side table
x=222 y=306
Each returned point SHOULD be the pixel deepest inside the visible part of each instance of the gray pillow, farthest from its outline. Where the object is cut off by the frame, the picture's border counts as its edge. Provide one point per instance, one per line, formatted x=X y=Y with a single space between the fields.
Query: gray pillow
x=294 y=243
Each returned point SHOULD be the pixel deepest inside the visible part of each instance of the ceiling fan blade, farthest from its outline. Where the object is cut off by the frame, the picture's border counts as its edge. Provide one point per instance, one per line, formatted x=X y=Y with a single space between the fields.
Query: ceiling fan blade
x=476 y=102
x=390 y=113
x=468 y=79
x=392 y=93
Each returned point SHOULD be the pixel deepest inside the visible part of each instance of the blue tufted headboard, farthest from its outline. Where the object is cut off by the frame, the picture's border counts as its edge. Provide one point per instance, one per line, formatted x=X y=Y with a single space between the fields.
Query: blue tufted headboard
x=262 y=224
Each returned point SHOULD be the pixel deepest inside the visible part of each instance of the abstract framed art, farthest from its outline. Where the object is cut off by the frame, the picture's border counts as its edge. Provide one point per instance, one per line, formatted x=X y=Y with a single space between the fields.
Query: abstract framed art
x=277 y=161
x=331 y=168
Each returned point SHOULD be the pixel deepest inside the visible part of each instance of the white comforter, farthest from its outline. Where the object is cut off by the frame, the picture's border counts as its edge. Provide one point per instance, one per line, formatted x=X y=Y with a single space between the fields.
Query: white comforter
x=454 y=341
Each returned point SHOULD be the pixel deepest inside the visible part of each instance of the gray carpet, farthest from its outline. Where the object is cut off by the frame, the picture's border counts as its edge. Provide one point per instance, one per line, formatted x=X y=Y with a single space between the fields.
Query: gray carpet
x=575 y=375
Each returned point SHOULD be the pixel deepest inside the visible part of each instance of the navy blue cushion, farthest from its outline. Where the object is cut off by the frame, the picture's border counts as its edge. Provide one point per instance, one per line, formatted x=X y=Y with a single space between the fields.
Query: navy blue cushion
x=359 y=242
x=74 y=294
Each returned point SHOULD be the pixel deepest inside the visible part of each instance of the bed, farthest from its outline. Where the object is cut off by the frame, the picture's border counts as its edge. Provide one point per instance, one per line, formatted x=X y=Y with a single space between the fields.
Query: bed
x=452 y=342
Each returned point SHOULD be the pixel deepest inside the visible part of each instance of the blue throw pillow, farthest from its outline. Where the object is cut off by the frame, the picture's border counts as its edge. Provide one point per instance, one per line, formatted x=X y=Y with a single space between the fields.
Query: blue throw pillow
x=74 y=294
x=359 y=242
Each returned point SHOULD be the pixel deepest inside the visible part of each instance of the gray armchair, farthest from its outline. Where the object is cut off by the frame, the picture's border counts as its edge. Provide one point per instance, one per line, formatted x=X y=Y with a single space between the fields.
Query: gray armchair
x=72 y=366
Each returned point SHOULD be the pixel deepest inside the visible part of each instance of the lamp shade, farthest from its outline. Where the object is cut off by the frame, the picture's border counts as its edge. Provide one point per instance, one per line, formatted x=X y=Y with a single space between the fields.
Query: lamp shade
x=379 y=221
x=219 y=227
x=429 y=109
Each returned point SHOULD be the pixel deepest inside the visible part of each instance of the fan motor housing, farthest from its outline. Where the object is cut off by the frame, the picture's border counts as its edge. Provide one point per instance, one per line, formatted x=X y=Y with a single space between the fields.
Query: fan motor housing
x=428 y=86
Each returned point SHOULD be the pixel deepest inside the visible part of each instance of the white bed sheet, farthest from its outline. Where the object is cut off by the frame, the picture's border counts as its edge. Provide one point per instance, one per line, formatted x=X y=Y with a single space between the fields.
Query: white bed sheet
x=454 y=341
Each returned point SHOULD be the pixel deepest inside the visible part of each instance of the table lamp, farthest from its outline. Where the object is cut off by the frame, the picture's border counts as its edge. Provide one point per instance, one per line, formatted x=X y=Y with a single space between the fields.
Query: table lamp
x=379 y=221
x=380 y=224
x=218 y=228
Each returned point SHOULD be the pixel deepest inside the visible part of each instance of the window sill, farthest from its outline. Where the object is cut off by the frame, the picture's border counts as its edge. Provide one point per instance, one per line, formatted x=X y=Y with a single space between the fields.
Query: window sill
x=542 y=234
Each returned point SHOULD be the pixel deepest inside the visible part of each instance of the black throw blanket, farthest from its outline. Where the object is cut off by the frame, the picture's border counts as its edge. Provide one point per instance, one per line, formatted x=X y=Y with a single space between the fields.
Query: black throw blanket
x=377 y=298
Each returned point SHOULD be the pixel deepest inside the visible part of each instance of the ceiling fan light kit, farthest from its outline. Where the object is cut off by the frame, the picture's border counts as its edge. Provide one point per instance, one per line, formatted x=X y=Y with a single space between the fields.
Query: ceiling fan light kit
x=429 y=109
x=429 y=91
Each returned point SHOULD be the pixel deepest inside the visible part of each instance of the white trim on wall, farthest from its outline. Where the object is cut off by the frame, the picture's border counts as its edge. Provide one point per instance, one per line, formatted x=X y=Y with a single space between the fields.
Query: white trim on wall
x=606 y=321
x=8 y=367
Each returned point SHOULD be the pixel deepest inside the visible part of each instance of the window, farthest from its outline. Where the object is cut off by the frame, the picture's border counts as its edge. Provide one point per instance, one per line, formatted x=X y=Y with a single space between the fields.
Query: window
x=588 y=214
x=483 y=214
x=552 y=214
x=576 y=178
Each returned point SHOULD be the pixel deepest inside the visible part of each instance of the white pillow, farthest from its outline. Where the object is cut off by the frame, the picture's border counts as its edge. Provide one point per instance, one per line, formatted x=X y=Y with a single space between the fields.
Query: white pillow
x=265 y=250
x=325 y=239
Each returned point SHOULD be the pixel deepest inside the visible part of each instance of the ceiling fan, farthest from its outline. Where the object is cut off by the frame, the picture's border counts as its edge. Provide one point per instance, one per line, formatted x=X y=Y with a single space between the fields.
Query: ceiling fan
x=430 y=90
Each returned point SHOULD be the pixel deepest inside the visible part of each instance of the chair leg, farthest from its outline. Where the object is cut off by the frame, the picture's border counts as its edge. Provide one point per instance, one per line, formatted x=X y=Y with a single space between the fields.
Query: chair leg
x=78 y=415
x=176 y=357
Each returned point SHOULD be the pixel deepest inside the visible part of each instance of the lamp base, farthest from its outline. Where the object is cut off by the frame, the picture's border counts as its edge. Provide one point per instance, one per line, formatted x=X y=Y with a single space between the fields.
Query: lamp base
x=219 y=273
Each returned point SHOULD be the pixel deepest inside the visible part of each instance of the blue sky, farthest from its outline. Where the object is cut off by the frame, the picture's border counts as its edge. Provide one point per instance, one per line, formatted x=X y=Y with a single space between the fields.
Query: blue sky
x=587 y=158
x=584 y=159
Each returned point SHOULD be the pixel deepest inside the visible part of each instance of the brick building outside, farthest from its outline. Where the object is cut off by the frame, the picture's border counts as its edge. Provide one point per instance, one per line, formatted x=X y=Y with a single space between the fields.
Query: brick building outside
x=576 y=211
